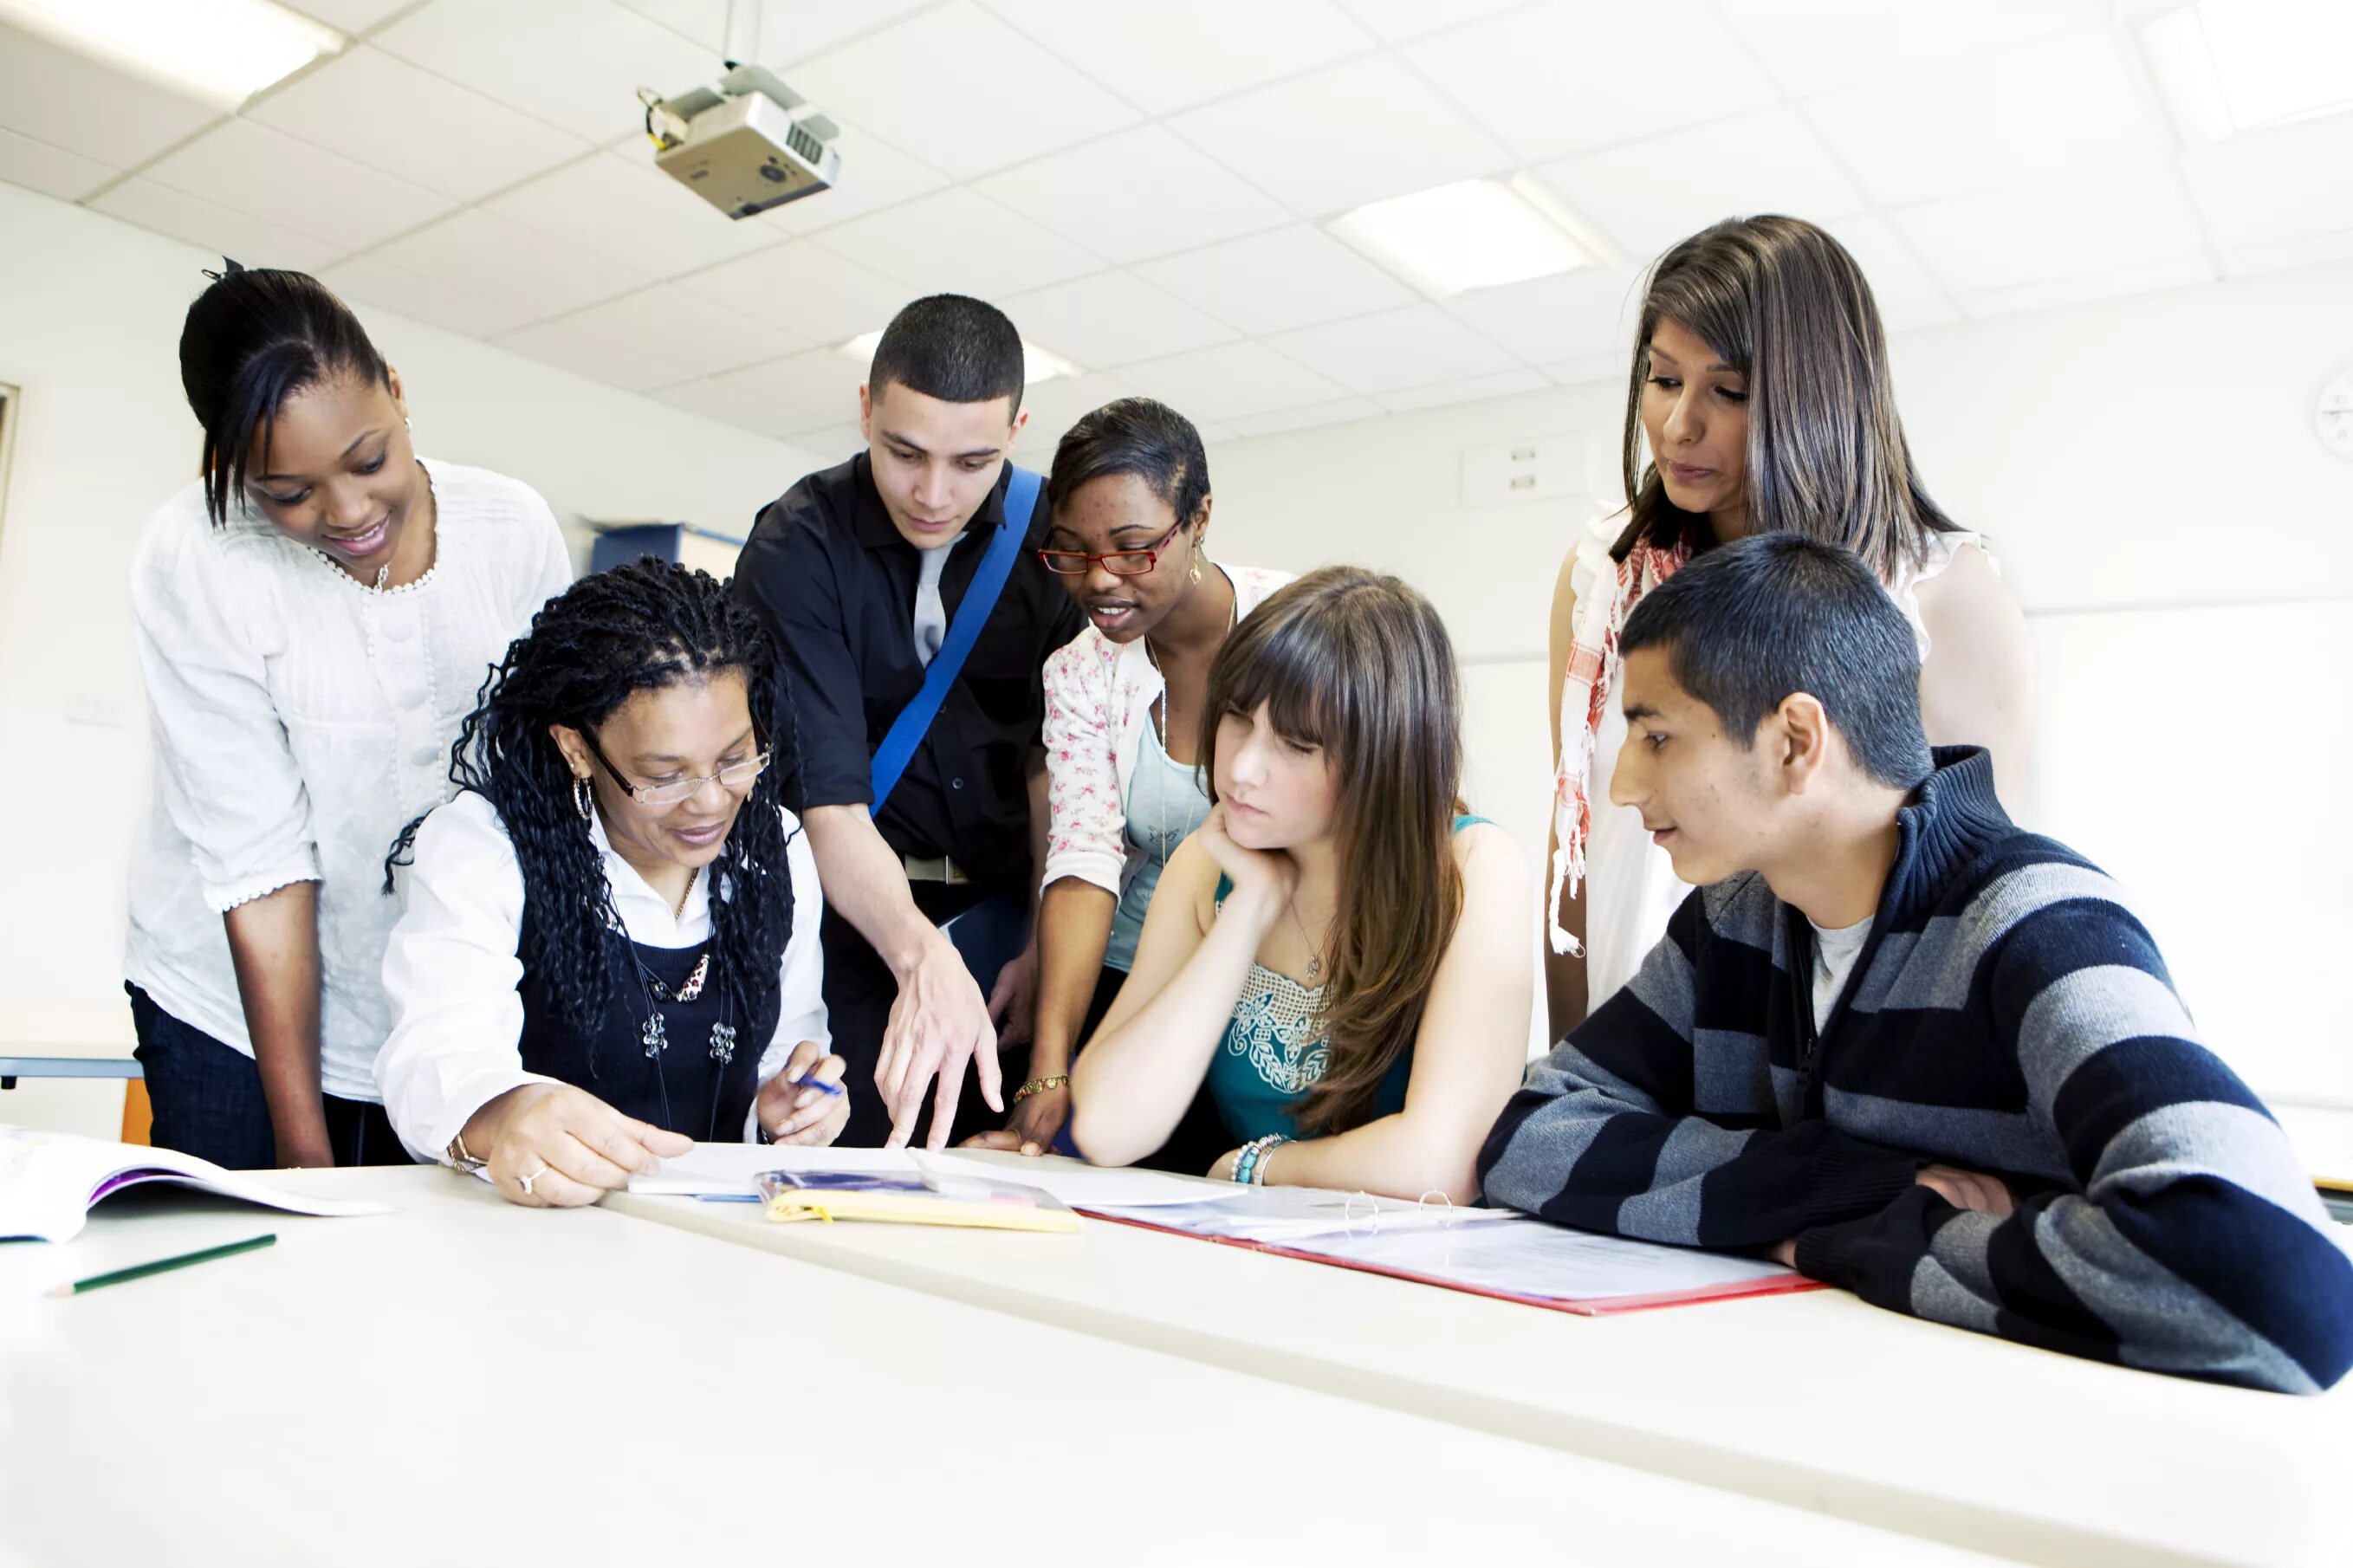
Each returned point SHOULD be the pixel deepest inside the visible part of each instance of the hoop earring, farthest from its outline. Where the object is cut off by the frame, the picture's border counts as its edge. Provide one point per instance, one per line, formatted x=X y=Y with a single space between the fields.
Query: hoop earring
x=582 y=801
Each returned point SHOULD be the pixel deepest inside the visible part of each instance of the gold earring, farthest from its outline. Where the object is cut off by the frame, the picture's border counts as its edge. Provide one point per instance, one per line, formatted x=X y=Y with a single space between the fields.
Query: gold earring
x=1195 y=572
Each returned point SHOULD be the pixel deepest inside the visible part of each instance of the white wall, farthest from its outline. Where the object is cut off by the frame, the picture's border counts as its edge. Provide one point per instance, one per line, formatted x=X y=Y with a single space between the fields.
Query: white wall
x=89 y=324
x=2140 y=465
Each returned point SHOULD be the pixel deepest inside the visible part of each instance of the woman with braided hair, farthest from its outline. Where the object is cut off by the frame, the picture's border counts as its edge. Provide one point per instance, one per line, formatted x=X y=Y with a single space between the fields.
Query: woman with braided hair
x=608 y=941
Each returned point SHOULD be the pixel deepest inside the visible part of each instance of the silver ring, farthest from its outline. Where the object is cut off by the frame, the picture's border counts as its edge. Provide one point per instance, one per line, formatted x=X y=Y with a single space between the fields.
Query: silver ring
x=525 y=1182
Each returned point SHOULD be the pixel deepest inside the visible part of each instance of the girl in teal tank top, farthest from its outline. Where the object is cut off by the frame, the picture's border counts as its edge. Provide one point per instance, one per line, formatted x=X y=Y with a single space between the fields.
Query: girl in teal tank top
x=1341 y=954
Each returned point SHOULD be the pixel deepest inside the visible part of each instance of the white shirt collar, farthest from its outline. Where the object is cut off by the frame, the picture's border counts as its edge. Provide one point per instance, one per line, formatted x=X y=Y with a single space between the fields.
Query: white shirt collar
x=646 y=915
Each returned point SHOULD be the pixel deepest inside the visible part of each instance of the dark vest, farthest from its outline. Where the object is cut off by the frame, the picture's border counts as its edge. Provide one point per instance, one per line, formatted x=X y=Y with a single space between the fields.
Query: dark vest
x=673 y=1076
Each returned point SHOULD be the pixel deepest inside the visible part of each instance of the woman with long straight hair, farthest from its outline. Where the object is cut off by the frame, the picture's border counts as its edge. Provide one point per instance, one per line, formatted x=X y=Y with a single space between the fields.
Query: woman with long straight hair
x=608 y=941
x=1338 y=951
x=1760 y=400
x=316 y=611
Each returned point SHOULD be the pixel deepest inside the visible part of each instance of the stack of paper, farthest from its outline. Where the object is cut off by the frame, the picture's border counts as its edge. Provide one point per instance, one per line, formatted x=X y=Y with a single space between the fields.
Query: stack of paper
x=50 y=1180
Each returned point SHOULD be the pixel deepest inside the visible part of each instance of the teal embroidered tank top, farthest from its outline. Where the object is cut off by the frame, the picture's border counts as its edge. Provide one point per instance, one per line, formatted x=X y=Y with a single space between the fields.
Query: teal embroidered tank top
x=1274 y=1051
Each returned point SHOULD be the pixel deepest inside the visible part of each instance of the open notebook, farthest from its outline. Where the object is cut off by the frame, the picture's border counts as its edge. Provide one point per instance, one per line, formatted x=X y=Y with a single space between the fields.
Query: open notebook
x=48 y=1181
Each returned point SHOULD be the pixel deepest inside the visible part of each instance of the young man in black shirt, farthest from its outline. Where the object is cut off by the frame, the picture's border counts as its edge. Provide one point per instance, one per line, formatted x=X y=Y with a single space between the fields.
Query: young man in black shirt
x=859 y=572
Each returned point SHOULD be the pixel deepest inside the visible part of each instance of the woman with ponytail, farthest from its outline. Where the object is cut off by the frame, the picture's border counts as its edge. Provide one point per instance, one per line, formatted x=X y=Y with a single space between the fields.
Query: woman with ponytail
x=608 y=941
x=314 y=611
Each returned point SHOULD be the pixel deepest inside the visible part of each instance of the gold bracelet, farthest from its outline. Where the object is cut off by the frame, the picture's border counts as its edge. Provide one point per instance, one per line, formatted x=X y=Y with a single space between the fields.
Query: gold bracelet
x=1040 y=1086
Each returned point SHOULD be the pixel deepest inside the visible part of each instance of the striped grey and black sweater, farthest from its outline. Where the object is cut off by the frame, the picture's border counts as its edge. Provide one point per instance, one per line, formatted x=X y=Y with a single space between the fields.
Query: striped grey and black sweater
x=2007 y=1014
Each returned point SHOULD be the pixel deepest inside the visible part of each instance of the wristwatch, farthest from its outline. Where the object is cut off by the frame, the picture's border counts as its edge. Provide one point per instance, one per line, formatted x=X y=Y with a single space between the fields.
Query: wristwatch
x=459 y=1156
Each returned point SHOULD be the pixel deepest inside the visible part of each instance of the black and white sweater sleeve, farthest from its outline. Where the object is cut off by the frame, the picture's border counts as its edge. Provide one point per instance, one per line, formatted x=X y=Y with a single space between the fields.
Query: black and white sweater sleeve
x=2196 y=1245
x=1647 y=1121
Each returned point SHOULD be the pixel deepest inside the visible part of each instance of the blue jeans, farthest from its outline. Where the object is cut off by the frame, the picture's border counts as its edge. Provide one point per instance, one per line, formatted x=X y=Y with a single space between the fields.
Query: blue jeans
x=208 y=1103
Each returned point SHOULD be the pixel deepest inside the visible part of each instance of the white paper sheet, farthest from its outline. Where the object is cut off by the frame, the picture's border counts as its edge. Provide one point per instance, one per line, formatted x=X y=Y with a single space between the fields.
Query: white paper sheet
x=48 y=1180
x=732 y=1170
x=1547 y=1261
x=1286 y=1215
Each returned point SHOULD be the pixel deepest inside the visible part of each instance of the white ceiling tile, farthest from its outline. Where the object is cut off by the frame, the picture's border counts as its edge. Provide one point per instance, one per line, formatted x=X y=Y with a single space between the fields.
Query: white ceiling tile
x=1397 y=20
x=733 y=405
x=1591 y=370
x=832 y=442
x=349 y=16
x=1338 y=412
x=789 y=30
x=58 y=97
x=1913 y=315
x=2248 y=260
x=961 y=90
x=367 y=281
x=1111 y=319
x=1055 y=406
x=394 y=116
x=1137 y=194
x=1813 y=45
x=804 y=289
x=2277 y=184
x=2069 y=102
x=208 y=226
x=1293 y=277
x=252 y=168
x=874 y=176
x=485 y=254
x=2107 y=283
x=1573 y=75
x=574 y=63
x=1888 y=265
x=1567 y=317
x=961 y=242
x=703 y=23
x=1647 y=195
x=1167 y=57
x=1477 y=389
x=1232 y=382
x=612 y=206
x=1343 y=136
x=2128 y=215
x=1413 y=347
x=817 y=385
x=52 y=171
x=659 y=337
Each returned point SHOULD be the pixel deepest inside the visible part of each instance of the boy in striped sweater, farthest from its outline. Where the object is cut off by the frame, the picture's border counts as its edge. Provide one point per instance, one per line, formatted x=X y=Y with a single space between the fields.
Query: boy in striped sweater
x=1896 y=1040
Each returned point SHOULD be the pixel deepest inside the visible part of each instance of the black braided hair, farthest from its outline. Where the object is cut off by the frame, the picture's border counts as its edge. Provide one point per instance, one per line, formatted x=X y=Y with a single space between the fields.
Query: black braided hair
x=639 y=627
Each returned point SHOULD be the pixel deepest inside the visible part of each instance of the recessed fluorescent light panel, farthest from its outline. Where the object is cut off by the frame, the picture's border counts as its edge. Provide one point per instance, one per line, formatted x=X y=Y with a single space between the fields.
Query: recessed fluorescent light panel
x=1037 y=364
x=2228 y=66
x=220 y=52
x=1472 y=235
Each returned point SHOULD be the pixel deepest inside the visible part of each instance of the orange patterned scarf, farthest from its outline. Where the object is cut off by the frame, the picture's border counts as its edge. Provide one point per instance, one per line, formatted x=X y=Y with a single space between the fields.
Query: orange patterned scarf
x=1584 y=694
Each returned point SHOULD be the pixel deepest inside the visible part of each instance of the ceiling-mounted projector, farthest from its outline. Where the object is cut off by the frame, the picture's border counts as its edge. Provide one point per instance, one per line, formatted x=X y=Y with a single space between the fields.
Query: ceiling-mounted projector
x=746 y=143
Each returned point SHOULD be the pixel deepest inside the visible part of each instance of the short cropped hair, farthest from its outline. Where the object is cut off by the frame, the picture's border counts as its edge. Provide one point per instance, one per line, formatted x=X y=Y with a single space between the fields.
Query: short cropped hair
x=950 y=347
x=1133 y=435
x=1746 y=625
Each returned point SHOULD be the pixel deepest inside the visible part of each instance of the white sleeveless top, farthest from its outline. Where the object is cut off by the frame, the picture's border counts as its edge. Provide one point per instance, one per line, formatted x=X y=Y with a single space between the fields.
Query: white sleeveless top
x=1631 y=886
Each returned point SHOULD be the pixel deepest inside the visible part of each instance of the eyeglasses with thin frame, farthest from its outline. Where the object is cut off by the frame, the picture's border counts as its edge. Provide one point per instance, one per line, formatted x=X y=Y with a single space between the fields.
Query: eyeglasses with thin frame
x=737 y=778
x=1118 y=563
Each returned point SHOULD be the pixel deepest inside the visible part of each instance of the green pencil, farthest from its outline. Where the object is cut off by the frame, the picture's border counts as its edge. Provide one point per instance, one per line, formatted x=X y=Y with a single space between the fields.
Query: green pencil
x=141 y=1270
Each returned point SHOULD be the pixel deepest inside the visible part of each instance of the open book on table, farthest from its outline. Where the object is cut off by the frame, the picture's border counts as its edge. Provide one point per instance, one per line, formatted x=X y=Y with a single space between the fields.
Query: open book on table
x=1487 y=1252
x=50 y=1181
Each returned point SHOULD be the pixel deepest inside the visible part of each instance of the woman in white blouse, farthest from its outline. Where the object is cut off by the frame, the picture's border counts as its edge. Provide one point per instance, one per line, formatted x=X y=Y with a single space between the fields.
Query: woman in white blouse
x=314 y=616
x=1129 y=497
x=609 y=945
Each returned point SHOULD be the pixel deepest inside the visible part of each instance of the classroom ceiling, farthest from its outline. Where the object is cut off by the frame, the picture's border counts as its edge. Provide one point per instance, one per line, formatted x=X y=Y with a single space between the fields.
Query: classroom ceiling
x=1148 y=187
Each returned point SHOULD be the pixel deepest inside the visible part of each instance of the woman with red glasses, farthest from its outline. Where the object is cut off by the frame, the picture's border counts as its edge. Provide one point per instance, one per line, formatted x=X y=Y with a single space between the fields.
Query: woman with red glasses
x=1129 y=503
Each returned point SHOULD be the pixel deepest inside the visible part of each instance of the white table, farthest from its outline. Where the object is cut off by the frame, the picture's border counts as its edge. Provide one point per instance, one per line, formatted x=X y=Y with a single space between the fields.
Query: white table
x=1815 y=1399
x=468 y=1382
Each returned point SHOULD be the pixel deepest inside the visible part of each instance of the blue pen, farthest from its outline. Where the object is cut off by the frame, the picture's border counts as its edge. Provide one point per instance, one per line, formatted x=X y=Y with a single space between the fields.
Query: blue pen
x=815 y=1083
